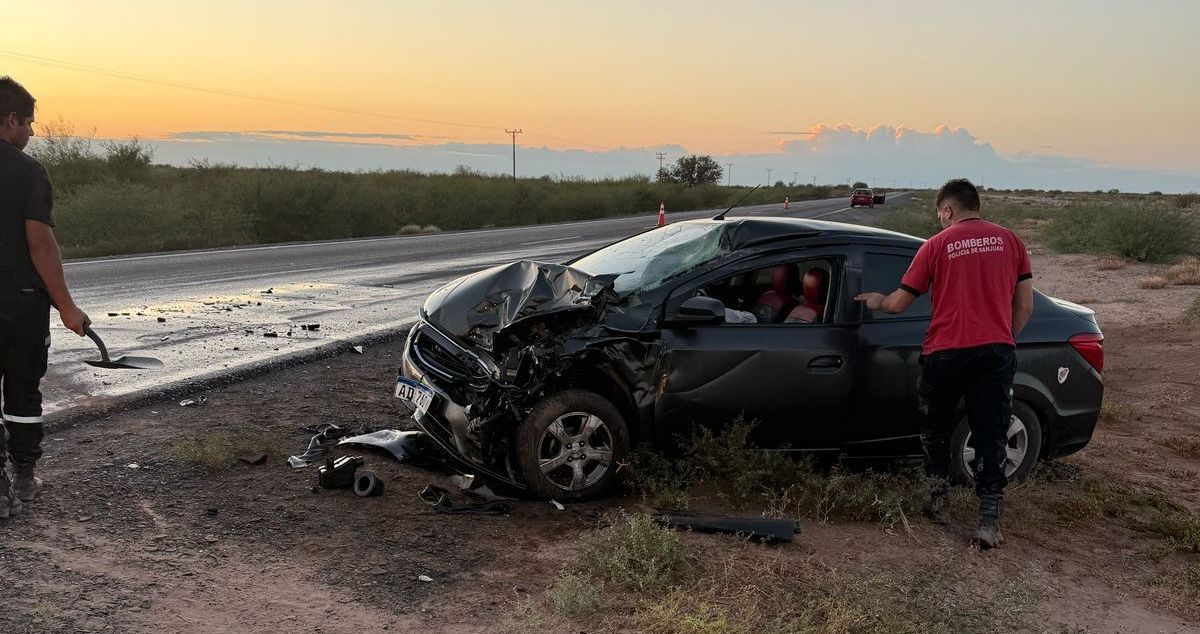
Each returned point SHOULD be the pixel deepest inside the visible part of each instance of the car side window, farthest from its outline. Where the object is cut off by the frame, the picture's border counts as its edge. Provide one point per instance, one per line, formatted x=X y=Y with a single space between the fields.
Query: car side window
x=882 y=273
x=788 y=293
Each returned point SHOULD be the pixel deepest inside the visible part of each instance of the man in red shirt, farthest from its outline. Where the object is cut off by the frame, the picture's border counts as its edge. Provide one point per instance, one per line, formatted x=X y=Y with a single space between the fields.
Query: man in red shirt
x=982 y=284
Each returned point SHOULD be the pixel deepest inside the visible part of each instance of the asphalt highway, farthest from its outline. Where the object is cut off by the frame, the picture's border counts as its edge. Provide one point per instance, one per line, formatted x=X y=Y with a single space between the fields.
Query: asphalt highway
x=217 y=311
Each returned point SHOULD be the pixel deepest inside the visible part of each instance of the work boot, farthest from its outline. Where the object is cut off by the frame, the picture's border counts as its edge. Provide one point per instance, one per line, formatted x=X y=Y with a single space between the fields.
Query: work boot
x=9 y=504
x=25 y=485
x=991 y=508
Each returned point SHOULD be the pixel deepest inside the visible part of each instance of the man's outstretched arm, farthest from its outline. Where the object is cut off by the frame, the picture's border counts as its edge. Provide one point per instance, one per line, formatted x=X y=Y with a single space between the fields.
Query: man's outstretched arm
x=47 y=260
x=894 y=304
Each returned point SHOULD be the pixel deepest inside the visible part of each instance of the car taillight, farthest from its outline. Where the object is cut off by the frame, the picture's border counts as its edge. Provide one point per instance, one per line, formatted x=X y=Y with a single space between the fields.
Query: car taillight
x=1091 y=348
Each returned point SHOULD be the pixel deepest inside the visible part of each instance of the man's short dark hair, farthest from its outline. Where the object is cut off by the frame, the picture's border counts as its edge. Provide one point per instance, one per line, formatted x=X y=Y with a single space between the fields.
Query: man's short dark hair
x=14 y=98
x=962 y=192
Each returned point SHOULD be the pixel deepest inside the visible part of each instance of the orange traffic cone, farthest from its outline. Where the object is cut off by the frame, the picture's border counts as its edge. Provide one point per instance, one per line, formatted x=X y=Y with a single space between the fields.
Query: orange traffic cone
x=662 y=214
x=785 y=202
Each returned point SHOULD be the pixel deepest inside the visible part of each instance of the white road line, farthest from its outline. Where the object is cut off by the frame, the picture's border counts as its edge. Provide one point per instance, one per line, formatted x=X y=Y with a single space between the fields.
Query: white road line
x=833 y=212
x=525 y=244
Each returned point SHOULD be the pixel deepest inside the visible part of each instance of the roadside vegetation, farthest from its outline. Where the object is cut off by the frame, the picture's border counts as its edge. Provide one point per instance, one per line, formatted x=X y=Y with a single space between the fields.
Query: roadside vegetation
x=1124 y=227
x=112 y=199
x=633 y=572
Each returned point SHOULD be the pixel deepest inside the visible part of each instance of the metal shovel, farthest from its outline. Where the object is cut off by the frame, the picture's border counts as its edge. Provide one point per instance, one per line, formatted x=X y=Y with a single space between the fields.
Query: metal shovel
x=123 y=363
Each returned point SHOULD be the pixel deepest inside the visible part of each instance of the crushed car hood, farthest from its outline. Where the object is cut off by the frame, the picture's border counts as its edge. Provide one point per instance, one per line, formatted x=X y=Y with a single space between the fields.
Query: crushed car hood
x=477 y=306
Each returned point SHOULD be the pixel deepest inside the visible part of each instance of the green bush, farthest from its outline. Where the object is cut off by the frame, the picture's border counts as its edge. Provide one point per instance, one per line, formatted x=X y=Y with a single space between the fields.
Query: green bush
x=634 y=554
x=1143 y=233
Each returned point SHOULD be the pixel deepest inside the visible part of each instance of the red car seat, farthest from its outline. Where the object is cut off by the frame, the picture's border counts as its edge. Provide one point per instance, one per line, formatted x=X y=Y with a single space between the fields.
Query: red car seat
x=816 y=287
x=774 y=305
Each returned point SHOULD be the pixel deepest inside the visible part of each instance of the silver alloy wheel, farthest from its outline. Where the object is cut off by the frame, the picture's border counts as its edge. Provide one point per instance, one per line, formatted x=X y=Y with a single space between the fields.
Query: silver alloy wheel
x=575 y=451
x=1016 y=449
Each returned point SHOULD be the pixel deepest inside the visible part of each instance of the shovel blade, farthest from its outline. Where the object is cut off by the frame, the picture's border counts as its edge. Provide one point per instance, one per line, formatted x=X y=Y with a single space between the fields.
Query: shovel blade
x=128 y=363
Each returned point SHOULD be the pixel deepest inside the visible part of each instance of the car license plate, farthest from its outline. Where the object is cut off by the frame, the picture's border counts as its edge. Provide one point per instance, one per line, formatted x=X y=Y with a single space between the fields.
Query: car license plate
x=418 y=395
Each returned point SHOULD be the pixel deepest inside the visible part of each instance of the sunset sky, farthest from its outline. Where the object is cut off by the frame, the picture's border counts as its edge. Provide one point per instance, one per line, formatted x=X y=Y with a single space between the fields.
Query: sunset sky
x=1111 y=85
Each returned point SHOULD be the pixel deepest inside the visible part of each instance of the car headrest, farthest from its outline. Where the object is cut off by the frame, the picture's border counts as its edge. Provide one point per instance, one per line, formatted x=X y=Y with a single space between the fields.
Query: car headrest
x=815 y=286
x=784 y=278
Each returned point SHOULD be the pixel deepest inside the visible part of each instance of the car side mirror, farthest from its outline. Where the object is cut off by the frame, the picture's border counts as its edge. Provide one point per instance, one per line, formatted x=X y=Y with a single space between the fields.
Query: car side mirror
x=697 y=311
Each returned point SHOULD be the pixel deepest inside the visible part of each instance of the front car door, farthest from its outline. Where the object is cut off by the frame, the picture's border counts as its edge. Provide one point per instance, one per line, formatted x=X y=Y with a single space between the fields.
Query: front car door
x=792 y=380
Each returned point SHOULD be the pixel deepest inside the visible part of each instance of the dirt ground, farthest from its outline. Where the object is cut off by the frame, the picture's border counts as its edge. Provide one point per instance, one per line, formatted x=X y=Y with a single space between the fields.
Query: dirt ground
x=128 y=537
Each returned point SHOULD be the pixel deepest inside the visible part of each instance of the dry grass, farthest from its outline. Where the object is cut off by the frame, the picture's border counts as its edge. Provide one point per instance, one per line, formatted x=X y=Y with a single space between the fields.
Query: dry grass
x=1153 y=282
x=1111 y=263
x=726 y=465
x=1186 y=445
x=1186 y=272
x=1178 y=589
x=751 y=591
x=1115 y=412
x=221 y=450
x=413 y=229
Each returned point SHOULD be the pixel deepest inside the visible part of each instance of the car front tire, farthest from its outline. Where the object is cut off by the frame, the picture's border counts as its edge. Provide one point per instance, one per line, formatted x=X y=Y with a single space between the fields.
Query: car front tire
x=1024 y=446
x=569 y=446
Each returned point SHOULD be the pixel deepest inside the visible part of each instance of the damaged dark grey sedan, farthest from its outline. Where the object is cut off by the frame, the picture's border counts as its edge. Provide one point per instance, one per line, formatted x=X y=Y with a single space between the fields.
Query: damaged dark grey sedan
x=543 y=375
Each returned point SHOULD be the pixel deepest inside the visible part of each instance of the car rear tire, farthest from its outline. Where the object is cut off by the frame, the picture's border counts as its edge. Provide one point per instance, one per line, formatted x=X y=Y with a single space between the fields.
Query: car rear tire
x=569 y=446
x=1024 y=446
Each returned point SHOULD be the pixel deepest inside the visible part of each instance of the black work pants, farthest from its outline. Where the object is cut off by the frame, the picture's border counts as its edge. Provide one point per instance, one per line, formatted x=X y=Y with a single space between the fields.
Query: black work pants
x=983 y=378
x=24 y=343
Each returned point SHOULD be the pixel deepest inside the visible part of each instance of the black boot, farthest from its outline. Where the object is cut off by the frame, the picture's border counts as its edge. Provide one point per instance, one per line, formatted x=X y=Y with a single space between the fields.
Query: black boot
x=991 y=509
x=9 y=504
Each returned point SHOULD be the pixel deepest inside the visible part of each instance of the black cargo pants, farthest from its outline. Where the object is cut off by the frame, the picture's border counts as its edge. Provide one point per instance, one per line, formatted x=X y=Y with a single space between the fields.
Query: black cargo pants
x=24 y=343
x=983 y=377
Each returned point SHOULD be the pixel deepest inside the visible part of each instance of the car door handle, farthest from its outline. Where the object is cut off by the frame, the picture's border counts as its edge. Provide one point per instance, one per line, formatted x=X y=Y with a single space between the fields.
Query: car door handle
x=826 y=364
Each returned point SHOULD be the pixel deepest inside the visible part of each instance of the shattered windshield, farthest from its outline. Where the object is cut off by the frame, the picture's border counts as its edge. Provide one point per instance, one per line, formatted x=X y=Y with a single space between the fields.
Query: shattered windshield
x=648 y=260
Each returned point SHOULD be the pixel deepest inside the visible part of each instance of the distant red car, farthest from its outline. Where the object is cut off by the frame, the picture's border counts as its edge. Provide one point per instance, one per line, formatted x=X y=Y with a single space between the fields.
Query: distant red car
x=862 y=197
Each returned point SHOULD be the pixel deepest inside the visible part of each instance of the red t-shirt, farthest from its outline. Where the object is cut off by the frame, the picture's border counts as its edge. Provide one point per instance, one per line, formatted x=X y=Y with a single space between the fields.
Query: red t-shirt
x=973 y=268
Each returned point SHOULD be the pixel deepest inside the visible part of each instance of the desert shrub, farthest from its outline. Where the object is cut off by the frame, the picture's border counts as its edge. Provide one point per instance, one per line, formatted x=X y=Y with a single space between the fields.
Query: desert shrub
x=1185 y=272
x=1143 y=233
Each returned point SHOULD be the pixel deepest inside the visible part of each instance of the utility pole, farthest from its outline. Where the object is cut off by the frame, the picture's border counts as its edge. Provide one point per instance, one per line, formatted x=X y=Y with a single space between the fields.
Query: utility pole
x=795 y=177
x=728 y=174
x=514 y=134
x=768 y=177
x=661 y=156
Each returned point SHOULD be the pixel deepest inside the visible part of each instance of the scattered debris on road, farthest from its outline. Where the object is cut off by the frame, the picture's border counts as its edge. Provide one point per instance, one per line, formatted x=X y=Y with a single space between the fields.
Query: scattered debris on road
x=403 y=445
x=358 y=349
x=367 y=484
x=193 y=402
x=339 y=473
x=441 y=501
x=253 y=461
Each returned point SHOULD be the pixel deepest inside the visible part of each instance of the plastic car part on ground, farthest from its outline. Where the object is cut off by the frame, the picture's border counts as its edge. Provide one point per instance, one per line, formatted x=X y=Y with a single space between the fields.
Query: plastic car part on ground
x=403 y=445
x=755 y=527
x=323 y=437
x=475 y=489
x=442 y=501
x=339 y=473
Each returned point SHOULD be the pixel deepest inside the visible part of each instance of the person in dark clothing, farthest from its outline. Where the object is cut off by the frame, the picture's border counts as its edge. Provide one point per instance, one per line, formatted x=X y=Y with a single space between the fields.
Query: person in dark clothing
x=981 y=279
x=31 y=280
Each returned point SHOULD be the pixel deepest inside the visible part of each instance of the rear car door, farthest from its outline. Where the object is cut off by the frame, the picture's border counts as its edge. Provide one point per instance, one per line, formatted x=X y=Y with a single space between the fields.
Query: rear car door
x=885 y=420
x=793 y=380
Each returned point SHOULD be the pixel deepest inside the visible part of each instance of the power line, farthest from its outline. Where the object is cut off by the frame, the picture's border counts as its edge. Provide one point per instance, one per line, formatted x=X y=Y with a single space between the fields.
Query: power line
x=82 y=68
x=661 y=156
